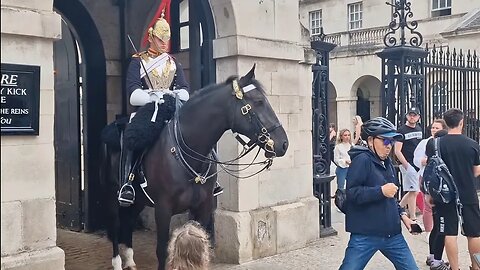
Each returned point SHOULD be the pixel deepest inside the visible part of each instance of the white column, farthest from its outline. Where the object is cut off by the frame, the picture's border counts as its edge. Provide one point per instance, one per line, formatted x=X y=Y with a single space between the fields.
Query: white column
x=346 y=110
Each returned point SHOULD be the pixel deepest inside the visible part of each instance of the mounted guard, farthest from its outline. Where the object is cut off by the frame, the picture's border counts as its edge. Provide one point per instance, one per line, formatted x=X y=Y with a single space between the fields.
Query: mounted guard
x=154 y=78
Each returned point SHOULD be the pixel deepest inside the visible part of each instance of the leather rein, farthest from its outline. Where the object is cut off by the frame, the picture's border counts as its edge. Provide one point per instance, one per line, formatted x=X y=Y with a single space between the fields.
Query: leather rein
x=262 y=137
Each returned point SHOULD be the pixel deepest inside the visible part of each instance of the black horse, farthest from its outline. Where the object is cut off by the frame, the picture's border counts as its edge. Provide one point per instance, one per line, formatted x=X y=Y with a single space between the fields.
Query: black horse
x=179 y=164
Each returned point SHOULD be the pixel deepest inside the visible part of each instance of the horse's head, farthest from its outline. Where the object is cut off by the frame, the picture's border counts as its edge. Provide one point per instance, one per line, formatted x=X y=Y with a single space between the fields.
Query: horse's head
x=254 y=117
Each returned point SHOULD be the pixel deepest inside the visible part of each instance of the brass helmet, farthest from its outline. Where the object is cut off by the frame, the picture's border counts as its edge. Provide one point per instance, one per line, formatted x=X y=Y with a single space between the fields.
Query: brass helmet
x=160 y=29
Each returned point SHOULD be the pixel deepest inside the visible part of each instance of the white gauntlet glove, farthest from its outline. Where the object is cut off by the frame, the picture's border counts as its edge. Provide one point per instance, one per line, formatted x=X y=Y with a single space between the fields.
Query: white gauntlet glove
x=140 y=97
x=182 y=94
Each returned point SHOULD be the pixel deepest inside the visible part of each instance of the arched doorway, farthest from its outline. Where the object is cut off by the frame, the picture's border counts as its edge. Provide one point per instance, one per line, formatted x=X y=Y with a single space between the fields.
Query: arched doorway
x=80 y=114
x=367 y=91
x=363 y=104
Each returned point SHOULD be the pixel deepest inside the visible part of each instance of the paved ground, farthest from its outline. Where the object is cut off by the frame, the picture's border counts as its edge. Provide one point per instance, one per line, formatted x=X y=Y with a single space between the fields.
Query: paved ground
x=93 y=251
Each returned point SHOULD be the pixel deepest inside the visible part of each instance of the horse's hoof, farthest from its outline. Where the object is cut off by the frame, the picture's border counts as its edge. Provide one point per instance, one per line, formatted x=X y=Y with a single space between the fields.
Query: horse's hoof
x=131 y=267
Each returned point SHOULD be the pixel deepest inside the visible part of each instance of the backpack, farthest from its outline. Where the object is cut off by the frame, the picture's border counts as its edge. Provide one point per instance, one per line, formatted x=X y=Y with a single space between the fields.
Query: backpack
x=437 y=179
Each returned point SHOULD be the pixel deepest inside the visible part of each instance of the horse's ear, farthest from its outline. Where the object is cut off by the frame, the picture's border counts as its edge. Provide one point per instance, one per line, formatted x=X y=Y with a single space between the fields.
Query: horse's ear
x=250 y=75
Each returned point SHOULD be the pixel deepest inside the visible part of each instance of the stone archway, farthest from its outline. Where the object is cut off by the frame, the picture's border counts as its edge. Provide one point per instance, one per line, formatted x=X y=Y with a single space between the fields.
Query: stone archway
x=367 y=90
x=93 y=73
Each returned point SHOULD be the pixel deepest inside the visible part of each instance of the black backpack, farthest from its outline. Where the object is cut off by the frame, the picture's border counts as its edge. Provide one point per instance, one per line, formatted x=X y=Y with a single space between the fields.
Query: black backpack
x=437 y=179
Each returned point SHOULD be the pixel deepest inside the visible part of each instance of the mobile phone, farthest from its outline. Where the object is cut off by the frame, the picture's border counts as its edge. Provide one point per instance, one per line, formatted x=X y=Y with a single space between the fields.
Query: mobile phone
x=415 y=228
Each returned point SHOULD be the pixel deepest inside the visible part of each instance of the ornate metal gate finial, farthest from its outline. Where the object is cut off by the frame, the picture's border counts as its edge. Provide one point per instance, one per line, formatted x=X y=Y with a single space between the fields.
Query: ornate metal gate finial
x=399 y=22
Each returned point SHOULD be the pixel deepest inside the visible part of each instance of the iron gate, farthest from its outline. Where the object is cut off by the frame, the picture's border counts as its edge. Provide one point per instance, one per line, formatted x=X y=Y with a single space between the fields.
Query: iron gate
x=320 y=136
x=452 y=80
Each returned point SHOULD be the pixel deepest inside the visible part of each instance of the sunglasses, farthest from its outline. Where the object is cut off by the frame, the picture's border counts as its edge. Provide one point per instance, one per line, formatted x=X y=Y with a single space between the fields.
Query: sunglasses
x=387 y=141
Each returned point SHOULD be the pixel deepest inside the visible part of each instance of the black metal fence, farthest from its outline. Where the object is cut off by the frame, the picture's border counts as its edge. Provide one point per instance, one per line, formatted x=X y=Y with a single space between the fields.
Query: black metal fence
x=452 y=80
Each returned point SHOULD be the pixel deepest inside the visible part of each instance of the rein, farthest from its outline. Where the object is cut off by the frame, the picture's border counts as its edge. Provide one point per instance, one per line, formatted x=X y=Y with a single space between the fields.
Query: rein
x=262 y=137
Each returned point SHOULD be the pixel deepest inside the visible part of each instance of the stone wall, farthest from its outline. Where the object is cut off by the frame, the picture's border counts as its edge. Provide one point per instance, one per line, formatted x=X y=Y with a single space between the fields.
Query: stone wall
x=275 y=211
x=28 y=228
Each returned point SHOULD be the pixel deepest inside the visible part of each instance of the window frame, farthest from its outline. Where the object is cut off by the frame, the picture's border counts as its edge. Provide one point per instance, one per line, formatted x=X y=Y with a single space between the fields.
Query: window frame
x=356 y=22
x=440 y=7
x=319 y=20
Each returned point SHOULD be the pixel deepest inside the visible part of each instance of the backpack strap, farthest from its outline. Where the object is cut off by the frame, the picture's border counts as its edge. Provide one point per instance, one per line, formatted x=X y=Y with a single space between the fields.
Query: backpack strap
x=459 y=205
x=436 y=143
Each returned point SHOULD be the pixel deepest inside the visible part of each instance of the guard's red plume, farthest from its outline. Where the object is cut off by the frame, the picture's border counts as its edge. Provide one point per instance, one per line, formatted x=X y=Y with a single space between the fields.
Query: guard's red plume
x=164 y=6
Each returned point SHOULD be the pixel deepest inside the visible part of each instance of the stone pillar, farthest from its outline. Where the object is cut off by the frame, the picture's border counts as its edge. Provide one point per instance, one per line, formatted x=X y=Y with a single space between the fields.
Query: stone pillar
x=28 y=227
x=275 y=211
x=346 y=110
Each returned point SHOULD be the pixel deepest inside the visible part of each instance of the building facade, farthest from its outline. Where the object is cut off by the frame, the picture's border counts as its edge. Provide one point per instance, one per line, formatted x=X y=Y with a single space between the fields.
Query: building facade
x=358 y=28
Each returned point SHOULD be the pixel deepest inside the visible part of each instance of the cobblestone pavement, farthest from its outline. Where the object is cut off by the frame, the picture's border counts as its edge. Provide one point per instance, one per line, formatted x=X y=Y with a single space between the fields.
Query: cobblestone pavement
x=93 y=251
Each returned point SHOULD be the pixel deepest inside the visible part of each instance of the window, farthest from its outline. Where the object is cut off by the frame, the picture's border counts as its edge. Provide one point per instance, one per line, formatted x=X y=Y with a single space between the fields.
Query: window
x=315 y=22
x=184 y=32
x=355 y=16
x=441 y=7
x=439 y=91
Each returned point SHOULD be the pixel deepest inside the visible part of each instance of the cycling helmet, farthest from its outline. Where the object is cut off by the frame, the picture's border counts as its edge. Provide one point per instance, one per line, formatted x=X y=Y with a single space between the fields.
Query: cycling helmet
x=380 y=126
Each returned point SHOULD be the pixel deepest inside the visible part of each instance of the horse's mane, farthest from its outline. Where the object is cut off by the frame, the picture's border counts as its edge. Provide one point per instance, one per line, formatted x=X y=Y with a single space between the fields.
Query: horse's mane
x=228 y=81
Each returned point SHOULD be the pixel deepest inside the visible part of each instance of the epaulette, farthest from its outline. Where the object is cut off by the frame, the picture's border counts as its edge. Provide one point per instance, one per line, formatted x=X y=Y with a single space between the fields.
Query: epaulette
x=140 y=54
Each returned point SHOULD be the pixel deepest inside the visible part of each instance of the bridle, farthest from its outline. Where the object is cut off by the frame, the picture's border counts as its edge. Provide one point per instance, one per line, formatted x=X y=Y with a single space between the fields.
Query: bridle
x=262 y=137
x=261 y=133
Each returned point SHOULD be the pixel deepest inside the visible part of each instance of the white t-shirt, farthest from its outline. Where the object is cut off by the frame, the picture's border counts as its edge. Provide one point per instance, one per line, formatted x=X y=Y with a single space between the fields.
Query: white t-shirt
x=340 y=154
x=419 y=154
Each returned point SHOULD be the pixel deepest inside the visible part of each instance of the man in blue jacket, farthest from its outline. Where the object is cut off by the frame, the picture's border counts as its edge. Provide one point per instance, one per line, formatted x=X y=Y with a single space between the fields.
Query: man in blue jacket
x=372 y=213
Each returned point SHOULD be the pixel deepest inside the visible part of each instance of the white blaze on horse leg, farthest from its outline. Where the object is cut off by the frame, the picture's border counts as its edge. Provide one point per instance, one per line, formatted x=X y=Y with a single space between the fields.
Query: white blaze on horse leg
x=128 y=254
x=117 y=263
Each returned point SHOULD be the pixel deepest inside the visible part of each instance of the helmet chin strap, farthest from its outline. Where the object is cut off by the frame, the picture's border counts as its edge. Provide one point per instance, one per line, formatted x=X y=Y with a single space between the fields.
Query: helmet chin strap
x=375 y=151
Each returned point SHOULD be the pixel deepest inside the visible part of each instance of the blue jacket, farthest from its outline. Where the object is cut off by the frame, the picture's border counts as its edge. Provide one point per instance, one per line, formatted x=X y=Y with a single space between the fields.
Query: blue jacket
x=369 y=212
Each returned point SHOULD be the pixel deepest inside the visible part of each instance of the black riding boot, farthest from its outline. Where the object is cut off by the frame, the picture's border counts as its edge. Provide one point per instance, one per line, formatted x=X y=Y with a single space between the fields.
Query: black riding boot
x=126 y=195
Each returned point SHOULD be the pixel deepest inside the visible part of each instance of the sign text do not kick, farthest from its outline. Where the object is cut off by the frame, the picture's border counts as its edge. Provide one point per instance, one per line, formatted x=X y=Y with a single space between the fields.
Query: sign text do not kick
x=19 y=99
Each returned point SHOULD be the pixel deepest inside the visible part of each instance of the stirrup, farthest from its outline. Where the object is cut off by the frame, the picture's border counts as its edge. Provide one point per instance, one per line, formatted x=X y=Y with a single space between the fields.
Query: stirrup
x=217 y=190
x=126 y=195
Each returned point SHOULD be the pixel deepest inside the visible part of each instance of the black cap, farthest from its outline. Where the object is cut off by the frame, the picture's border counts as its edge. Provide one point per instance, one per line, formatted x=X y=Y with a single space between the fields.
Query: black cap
x=414 y=110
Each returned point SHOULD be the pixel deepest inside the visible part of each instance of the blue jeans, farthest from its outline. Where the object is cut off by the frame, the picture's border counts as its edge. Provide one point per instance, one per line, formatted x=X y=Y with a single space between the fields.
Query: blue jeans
x=341 y=176
x=361 y=249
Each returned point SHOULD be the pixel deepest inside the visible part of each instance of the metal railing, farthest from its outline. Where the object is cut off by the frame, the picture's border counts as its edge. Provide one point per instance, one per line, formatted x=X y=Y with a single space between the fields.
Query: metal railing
x=453 y=81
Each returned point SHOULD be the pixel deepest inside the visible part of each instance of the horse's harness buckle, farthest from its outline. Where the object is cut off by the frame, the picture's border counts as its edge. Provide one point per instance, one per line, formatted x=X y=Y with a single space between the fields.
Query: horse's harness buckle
x=237 y=90
x=245 y=109
x=200 y=180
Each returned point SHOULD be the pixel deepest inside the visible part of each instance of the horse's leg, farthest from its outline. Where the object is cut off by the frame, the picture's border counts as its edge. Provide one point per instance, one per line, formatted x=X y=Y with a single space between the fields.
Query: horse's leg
x=203 y=214
x=163 y=214
x=129 y=218
x=111 y=204
x=113 y=233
